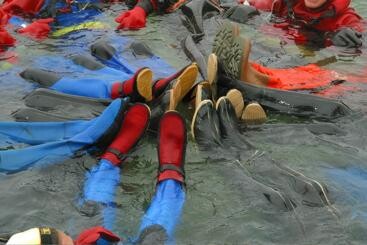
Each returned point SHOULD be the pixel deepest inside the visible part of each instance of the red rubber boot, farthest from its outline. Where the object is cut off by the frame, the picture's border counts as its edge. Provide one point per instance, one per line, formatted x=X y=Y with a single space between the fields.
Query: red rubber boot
x=182 y=81
x=132 y=129
x=138 y=88
x=172 y=142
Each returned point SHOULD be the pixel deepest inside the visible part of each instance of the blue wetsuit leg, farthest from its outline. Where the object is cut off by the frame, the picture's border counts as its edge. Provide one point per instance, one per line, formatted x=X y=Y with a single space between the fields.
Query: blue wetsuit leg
x=18 y=159
x=100 y=186
x=165 y=208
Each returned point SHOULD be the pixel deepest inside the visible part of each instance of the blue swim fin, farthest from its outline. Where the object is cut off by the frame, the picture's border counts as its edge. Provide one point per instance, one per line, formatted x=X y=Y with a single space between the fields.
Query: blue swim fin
x=64 y=139
x=130 y=56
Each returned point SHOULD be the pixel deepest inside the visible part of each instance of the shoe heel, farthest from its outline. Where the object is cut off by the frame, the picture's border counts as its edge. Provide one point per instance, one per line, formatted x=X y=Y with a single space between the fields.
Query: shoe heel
x=144 y=84
x=185 y=81
x=254 y=114
x=237 y=101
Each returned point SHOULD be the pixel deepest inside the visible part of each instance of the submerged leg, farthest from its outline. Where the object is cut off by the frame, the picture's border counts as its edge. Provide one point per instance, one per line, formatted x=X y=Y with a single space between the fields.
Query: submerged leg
x=159 y=222
x=102 y=181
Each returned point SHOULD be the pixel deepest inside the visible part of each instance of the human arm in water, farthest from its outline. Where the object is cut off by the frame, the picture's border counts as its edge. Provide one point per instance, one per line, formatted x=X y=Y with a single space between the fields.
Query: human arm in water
x=349 y=29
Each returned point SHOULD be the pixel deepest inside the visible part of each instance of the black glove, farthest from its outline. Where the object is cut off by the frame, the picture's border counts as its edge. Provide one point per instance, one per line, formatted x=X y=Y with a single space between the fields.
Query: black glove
x=347 y=37
x=240 y=13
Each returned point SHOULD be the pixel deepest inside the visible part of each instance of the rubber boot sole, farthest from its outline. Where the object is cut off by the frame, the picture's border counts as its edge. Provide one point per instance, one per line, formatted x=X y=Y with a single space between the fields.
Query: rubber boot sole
x=202 y=103
x=254 y=114
x=237 y=101
x=183 y=85
x=200 y=93
x=144 y=84
x=212 y=71
x=229 y=48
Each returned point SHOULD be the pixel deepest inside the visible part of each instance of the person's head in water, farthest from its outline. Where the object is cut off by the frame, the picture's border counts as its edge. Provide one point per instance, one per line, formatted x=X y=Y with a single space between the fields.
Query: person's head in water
x=39 y=236
x=313 y=4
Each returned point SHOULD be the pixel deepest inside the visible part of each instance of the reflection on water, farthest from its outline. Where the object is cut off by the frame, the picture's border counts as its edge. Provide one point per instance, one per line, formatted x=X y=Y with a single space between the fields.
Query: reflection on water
x=304 y=183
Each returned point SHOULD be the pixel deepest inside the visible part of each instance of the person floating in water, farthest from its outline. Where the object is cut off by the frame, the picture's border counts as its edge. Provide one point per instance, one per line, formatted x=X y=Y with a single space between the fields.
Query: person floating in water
x=340 y=25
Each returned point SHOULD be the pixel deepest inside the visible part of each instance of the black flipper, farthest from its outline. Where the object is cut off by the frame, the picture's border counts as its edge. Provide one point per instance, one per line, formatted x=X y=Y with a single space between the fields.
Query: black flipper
x=87 y=62
x=35 y=115
x=141 y=49
x=102 y=50
x=288 y=102
x=194 y=54
x=44 y=78
x=240 y=13
x=50 y=100
x=194 y=12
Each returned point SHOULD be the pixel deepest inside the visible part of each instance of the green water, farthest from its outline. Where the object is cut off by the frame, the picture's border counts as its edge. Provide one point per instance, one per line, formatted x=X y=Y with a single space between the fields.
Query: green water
x=225 y=201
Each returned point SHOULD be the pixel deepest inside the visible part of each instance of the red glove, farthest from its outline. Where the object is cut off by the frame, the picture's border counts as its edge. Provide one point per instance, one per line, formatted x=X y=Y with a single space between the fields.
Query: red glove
x=5 y=38
x=133 y=19
x=25 y=6
x=92 y=235
x=38 y=29
x=4 y=17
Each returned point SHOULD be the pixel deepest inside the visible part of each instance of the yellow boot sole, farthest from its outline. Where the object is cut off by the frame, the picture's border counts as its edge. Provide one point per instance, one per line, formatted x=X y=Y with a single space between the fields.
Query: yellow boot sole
x=237 y=101
x=254 y=114
x=144 y=84
x=183 y=84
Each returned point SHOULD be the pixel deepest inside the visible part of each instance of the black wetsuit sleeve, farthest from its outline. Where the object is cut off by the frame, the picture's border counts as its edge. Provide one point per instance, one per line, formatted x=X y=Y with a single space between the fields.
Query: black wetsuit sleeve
x=159 y=6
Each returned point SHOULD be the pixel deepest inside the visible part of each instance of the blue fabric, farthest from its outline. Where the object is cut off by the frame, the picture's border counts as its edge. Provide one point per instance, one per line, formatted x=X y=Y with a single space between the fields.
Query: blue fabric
x=90 y=87
x=76 y=16
x=166 y=207
x=90 y=83
x=69 y=138
x=351 y=183
x=101 y=183
x=351 y=179
x=18 y=22
x=100 y=186
x=125 y=60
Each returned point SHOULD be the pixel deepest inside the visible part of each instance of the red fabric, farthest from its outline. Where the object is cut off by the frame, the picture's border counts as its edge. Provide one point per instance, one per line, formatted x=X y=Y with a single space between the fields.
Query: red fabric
x=125 y=88
x=298 y=78
x=345 y=16
x=23 y=6
x=4 y=17
x=128 y=85
x=38 y=29
x=265 y=5
x=5 y=39
x=132 y=129
x=115 y=90
x=133 y=19
x=9 y=56
x=161 y=84
x=172 y=144
x=92 y=235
